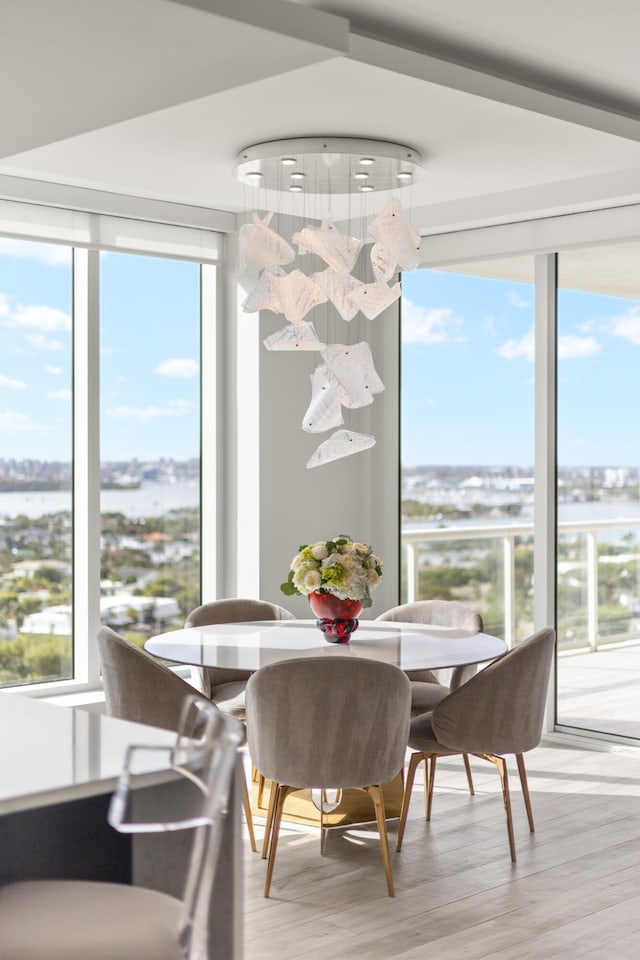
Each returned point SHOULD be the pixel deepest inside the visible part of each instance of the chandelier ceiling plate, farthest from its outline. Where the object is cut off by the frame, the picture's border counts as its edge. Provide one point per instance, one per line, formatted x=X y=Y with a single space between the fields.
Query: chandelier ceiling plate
x=328 y=165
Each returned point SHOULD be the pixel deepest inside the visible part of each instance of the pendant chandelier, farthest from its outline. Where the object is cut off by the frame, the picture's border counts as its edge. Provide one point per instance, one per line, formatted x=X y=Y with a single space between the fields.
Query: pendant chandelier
x=347 y=259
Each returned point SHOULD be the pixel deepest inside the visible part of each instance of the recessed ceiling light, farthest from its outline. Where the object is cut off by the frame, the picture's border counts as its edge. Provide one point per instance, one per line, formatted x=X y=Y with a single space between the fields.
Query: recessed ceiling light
x=297 y=176
x=294 y=188
x=289 y=161
x=366 y=188
x=253 y=173
x=361 y=175
x=403 y=175
x=367 y=161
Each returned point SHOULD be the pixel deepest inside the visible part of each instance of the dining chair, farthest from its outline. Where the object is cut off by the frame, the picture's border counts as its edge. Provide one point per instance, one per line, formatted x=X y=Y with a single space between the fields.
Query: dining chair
x=226 y=686
x=327 y=723
x=139 y=688
x=426 y=688
x=499 y=711
x=90 y=920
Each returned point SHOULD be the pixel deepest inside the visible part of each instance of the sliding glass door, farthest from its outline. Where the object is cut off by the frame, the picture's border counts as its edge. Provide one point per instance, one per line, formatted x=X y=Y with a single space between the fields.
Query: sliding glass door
x=598 y=675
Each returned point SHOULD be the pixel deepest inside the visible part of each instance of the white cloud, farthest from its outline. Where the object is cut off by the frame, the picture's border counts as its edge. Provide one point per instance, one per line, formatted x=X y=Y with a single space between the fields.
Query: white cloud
x=40 y=342
x=575 y=348
x=54 y=371
x=5 y=309
x=517 y=300
x=13 y=422
x=178 y=367
x=175 y=408
x=13 y=384
x=59 y=395
x=627 y=325
x=514 y=349
x=42 y=318
x=569 y=347
x=428 y=325
x=53 y=254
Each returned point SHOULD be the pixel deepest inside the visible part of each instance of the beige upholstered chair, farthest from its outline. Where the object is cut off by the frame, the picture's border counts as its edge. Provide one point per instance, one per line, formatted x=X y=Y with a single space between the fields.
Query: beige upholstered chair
x=88 y=920
x=226 y=686
x=138 y=687
x=426 y=689
x=499 y=711
x=327 y=722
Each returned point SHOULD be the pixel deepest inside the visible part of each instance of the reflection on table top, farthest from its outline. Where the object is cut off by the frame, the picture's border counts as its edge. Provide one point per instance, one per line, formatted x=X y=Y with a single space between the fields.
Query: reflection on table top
x=249 y=646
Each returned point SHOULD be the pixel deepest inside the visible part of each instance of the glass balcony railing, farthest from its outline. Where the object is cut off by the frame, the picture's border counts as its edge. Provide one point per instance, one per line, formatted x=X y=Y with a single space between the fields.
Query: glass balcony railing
x=491 y=568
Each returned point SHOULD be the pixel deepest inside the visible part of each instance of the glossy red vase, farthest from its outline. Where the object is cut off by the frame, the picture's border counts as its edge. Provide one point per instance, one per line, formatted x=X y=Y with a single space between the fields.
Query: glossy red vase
x=336 y=618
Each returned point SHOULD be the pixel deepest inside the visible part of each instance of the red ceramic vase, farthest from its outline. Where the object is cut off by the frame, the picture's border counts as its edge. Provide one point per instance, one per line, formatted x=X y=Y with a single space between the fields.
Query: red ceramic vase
x=336 y=617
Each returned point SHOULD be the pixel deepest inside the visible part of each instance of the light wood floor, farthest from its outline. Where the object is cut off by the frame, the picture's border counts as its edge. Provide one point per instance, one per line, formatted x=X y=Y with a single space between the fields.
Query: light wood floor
x=574 y=892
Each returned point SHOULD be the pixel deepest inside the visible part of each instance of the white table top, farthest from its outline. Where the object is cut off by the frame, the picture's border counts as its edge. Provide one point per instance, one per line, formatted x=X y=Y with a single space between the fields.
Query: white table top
x=50 y=754
x=249 y=646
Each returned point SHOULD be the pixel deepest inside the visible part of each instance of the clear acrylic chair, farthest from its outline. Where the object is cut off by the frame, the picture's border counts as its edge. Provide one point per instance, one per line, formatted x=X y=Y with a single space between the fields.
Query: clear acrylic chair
x=87 y=920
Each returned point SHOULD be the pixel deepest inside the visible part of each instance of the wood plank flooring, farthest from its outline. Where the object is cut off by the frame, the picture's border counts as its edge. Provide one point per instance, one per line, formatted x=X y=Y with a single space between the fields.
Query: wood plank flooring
x=574 y=892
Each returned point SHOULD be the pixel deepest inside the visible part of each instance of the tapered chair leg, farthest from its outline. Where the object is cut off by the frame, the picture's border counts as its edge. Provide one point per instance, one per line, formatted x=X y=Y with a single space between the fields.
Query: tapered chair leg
x=261 y=782
x=281 y=795
x=501 y=764
x=249 y=816
x=429 y=787
x=269 y=824
x=525 y=790
x=414 y=763
x=467 y=767
x=375 y=792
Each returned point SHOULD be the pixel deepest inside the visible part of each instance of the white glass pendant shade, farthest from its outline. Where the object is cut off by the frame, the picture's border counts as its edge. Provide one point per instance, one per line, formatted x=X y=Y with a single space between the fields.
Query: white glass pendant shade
x=325 y=409
x=394 y=232
x=382 y=263
x=298 y=294
x=263 y=296
x=295 y=336
x=337 y=250
x=259 y=246
x=340 y=444
x=373 y=298
x=337 y=287
x=352 y=366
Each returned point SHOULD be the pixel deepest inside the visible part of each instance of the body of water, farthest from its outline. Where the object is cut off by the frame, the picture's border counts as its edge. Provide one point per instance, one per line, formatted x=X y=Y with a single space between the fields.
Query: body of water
x=150 y=500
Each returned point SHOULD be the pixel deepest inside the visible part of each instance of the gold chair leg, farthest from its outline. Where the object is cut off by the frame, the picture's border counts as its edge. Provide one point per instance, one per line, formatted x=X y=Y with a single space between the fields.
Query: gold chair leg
x=467 y=767
x=414 y=763
x=525 y=790
x=261 y=781
x=282 y=794
x=248 y=815
x=375 y=792
x=269 y=824
x=501 y=764
x=429 y=786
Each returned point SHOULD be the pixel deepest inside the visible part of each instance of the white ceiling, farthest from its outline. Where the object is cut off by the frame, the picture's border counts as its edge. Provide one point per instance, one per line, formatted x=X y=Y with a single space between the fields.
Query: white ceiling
x=519 y=107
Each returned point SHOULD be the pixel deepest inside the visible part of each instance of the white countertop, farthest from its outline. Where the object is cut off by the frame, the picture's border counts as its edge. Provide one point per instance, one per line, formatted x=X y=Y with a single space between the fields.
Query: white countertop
x=49 y=754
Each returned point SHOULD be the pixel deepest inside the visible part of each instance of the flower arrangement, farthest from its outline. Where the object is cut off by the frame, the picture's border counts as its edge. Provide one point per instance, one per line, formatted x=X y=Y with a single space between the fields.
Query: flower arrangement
x=339 y=567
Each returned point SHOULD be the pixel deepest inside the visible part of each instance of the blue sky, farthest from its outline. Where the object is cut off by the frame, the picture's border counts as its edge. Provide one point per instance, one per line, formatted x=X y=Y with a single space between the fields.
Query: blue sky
x=467 y=364
x=150 y=359
x=468 y=369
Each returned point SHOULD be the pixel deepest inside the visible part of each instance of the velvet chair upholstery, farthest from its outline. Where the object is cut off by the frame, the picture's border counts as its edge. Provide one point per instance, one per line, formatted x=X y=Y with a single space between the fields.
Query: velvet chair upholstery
x=426 y=688
x=327 y=722
x=140 y=688
x=499 y=711
x=90 y=920
x=226 y=687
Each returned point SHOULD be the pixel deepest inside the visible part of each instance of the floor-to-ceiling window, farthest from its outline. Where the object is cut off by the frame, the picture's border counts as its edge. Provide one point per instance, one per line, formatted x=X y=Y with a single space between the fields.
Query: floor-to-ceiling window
x=101 y=435
x=35 y=462
x=467 y=440
x=150 y=442
x=598 y=592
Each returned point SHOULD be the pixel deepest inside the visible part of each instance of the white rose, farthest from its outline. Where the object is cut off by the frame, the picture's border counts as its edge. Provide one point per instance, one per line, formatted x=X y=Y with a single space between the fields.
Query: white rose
x=319 y=551
x=312 y=581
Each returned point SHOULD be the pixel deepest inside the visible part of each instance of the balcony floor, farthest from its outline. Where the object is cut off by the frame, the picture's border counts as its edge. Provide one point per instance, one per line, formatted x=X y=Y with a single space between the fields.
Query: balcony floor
x=574 y=892
x=601 y=691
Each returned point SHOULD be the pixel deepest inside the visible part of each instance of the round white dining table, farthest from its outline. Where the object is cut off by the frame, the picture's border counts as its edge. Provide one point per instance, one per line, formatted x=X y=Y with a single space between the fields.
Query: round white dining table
x=249 y=646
